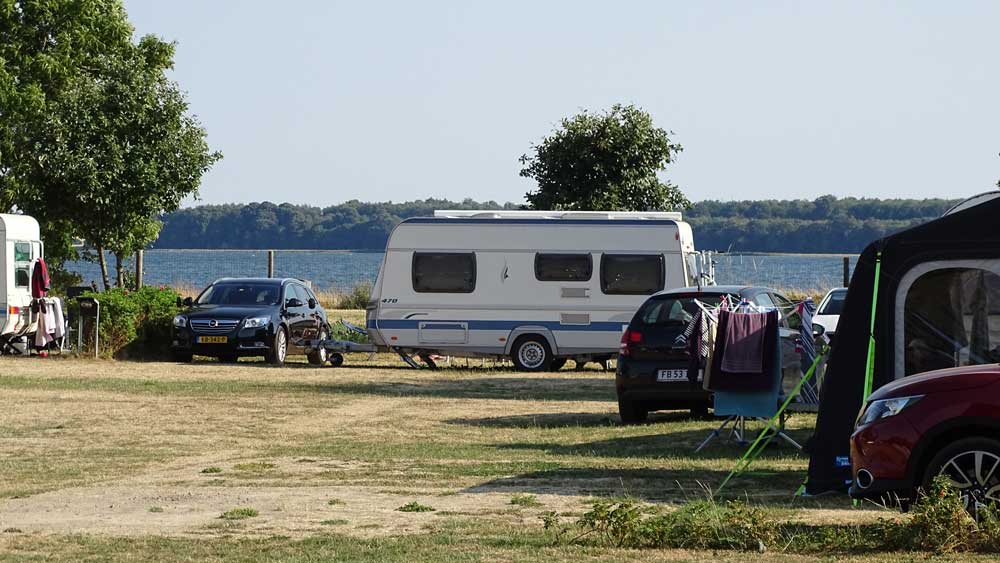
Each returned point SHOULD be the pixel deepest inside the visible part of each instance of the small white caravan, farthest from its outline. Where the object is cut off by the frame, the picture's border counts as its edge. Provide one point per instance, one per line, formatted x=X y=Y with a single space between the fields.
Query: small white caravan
x=538 y=287
x=22 y=245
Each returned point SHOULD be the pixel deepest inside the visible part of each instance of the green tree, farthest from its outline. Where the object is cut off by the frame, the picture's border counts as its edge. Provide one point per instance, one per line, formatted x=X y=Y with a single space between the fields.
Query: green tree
x=44 y=46
x=118 y=149
x=606 y=161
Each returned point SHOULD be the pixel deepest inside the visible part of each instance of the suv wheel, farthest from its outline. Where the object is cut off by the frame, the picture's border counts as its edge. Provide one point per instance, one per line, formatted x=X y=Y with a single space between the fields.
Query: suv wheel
x=632 y=413
x=531 y=353
x=973 y=466
x=318 y=357
x=279 y=348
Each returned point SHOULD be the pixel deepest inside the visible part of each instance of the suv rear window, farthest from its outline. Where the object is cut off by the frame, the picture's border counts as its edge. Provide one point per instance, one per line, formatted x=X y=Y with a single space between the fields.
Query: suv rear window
x=673 y=311
x=631 y=274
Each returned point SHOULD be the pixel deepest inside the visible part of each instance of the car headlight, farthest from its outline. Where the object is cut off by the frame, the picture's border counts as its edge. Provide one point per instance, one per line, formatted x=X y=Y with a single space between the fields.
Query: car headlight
x=885 y=408
x=180 y=321
x=256 y=322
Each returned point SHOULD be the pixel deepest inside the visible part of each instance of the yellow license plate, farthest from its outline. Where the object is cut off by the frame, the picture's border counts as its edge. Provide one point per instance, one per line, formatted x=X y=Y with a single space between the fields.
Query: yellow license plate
x=213 y=339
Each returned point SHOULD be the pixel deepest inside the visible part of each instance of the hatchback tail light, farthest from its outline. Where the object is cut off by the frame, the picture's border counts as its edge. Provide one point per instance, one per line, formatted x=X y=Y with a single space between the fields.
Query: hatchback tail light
x=629 y=337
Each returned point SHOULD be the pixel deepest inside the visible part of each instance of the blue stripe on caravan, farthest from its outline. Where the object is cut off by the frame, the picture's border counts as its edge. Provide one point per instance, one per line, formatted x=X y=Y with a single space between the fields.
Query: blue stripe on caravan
x=605 y=326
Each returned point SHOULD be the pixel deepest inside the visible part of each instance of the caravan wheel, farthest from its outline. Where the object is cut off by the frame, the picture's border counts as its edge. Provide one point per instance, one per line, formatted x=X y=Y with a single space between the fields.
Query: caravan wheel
x=531 y=353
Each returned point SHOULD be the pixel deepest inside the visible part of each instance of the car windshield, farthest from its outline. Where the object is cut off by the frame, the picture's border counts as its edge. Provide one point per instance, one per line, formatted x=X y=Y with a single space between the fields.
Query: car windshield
x=669 y=310
x=248 y=294
x=835 y=304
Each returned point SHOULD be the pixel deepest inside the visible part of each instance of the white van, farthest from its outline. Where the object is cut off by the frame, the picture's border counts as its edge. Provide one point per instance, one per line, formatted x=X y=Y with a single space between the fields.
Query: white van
x=22 y=245
x=538 y=287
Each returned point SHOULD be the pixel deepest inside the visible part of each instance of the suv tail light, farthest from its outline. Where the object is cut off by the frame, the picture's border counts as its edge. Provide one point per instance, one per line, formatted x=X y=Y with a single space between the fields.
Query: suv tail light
x=629 y=337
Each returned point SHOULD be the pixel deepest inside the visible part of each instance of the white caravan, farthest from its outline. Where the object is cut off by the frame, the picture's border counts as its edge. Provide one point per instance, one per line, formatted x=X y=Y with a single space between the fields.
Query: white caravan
x=22 y=245
x=538 y=287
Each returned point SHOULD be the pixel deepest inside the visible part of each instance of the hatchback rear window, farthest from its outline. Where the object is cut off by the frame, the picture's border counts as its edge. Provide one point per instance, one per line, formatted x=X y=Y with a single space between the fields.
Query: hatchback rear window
x=673 y=311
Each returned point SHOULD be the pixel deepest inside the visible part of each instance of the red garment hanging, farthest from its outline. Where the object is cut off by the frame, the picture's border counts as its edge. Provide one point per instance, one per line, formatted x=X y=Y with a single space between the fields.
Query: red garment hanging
x=40 y=283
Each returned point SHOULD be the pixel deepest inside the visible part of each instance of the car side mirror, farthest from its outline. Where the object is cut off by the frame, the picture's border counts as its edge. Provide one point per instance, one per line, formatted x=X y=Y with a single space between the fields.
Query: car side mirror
x=187 y=302
x=818 y=330
x=293 y=302
x=312 y=303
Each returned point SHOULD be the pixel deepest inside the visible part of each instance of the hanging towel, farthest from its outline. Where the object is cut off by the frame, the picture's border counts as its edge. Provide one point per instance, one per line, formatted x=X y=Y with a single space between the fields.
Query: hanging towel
x=722 y=379
x=42 y=336
x=744 y=339
x=40 y=283
x=60 y=320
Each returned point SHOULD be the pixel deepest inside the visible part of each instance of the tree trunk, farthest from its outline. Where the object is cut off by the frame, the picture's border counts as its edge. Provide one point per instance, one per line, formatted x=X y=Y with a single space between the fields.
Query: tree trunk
x=104 y=268
x=119 y=271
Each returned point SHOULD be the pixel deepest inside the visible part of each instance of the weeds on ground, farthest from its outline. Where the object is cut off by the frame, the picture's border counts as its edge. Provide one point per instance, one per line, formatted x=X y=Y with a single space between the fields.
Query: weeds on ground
x=239 y=514
x=939 y=523
x=156 y=509
x=335 y=502
x=254 y=467
x=527 y=501
x=414 y=506
x=337 y=522
x=210 y=470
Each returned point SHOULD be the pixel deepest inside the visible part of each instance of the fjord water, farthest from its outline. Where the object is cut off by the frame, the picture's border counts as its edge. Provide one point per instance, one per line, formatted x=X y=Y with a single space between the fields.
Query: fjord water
x=342 y=270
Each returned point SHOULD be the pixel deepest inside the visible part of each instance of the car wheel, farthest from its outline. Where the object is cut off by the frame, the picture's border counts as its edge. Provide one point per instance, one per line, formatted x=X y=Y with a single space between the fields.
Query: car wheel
x=279 y=349
x=531 y=353
x=700 y=412
x=632 y=413
x=557 y=364
x=183 y=357
x=973 y=467
x=336 y=360
x=319 y=357
x=229 y=358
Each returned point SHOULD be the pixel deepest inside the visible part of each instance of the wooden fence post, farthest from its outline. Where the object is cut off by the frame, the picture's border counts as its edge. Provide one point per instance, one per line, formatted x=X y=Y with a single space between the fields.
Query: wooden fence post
x=270 y=263
x=138 y=269
x=847 y=271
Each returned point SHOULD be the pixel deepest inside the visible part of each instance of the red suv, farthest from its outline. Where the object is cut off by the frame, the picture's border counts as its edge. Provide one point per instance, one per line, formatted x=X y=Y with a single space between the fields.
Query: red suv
x=944 y=422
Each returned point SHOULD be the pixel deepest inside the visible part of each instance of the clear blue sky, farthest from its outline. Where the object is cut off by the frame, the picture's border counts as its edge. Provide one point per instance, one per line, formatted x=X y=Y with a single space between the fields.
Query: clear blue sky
x=316 y=101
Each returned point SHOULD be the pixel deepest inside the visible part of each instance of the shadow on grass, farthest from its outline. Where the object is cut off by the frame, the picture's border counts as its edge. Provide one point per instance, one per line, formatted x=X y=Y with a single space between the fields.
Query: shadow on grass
x=678 y=444
x=567 y=420
x=771 y=487
x=538 y=388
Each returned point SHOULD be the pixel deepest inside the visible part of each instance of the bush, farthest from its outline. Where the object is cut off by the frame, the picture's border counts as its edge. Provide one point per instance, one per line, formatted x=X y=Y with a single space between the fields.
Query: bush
x=357 y=298
x=134 y=324
x=940 y=523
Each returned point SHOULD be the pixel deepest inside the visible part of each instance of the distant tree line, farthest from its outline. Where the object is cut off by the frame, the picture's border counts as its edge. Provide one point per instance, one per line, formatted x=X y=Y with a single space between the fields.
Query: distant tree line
x=826 y=224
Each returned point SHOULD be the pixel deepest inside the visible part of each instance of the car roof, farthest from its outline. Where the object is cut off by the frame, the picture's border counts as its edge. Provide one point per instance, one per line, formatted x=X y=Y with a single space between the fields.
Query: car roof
x=266 y=281
x=741 y=290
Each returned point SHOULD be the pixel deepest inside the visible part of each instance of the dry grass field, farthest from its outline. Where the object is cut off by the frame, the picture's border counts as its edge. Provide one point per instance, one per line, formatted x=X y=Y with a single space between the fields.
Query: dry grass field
x=153 y=461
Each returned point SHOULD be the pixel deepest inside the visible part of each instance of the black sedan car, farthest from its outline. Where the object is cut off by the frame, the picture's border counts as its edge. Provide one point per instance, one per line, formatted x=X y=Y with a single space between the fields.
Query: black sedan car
x=250 y=317
x=652 y=369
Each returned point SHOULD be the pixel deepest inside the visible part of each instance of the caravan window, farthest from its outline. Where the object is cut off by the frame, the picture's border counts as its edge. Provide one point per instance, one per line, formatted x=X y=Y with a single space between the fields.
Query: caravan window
x=21 y=277
x=631 y=274
x=951 y=317
x=563 y=267
x=444 y=272
x=22 y=252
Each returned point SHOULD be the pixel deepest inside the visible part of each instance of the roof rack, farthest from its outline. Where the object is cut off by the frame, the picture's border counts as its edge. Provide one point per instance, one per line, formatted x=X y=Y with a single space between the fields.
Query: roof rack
x=532 y=214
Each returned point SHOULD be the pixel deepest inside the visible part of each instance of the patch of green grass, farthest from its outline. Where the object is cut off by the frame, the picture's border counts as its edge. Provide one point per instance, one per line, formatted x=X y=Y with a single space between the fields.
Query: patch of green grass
x=156 y=509
x=239 y=514
x=335 y=502
x=414 y=506
x=527 y=501
x=211 y=470
x=336 y=522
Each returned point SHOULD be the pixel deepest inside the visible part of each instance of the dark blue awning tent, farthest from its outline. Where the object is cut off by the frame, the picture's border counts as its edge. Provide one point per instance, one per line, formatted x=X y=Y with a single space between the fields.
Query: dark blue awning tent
x=938 y=306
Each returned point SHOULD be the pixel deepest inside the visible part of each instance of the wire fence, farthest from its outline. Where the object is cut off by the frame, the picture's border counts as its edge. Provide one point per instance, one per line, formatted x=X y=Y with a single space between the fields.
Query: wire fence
x=337 y=271
x=341 y=271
